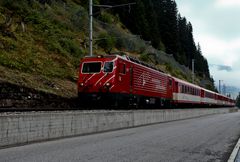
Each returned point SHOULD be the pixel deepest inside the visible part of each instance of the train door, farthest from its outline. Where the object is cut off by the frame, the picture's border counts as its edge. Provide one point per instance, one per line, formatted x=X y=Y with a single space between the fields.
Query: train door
x=176 y=90
x=131 y=79
x=123 y=77
x=176 y=87
x=170 y=88
x=202 y=94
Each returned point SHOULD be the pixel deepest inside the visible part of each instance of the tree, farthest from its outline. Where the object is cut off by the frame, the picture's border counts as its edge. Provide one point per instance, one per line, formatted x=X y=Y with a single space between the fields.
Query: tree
x=107 y=42
x=183 y=40
x=158 y=21
x=238 y=101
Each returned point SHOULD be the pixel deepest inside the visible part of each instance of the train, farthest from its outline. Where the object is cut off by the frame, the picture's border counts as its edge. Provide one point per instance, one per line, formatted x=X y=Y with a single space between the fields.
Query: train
x=124 y=81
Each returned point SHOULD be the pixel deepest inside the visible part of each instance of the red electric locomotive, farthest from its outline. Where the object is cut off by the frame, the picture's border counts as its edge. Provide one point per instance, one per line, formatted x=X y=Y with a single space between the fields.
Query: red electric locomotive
x=123 y=81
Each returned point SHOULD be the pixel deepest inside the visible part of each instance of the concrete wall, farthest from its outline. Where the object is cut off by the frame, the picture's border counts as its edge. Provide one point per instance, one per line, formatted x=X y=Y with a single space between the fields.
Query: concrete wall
x=21 y=128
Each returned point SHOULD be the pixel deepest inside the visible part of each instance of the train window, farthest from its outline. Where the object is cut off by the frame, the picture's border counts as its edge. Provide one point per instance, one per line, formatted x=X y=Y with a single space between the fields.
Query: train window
x=179 y=89
x=91 y=67
x=122 y=68
x=108 y=67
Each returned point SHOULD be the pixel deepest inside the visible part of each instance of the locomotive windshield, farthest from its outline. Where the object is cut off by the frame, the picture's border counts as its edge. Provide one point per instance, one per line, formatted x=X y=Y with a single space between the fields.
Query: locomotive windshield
x=91 y=67
x=108 y=67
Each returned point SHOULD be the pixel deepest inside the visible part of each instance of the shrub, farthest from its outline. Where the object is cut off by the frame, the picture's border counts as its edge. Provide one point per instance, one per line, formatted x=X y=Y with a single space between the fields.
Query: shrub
x=144 y=57
x=106 y=17
x=70 y=46
x=107 y=42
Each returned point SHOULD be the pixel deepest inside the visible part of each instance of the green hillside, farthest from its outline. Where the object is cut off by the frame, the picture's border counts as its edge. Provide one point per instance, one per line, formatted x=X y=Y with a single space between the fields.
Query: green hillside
x=42 y=42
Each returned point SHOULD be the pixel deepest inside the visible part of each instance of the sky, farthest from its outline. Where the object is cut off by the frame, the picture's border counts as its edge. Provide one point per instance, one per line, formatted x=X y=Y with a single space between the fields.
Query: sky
x=216 y=27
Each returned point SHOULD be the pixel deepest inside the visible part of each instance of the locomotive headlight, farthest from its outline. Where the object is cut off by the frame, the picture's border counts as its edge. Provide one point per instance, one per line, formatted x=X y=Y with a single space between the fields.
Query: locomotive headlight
x=81 y=84
x=107 y=84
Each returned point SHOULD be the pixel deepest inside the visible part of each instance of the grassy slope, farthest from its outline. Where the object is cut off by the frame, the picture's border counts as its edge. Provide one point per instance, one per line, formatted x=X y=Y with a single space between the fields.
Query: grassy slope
x=47 y=53
x=41 y=44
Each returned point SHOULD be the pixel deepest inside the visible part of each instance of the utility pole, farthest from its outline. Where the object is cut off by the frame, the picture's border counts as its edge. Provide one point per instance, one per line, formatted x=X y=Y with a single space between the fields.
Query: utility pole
x=90 y=27
x=220 y=91
x=193 y=70
x=219 y=86
x=91 y=20
x=224 y=89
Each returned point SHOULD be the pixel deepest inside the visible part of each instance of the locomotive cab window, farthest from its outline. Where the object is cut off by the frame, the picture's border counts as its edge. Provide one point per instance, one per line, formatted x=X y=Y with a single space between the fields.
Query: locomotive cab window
x=108 y=67
x=91 y=67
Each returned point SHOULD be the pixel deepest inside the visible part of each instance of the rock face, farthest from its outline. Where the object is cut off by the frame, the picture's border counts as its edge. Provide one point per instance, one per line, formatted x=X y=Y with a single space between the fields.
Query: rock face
x=15 y=96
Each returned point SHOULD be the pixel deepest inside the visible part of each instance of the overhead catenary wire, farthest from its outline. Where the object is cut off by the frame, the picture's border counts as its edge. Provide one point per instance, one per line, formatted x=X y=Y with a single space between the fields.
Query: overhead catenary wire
x=91 y=20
